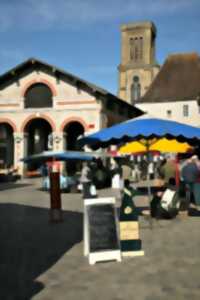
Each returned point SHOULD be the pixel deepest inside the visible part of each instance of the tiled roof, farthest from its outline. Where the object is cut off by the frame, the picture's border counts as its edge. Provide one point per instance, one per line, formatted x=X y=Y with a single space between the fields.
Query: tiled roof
x=178 y=79
x=36 y=64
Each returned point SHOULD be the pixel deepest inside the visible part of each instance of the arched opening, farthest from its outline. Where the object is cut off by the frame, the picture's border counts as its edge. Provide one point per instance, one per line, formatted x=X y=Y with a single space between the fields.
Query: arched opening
x=136 y=48
x=135 y=89
x=72 y=131
x=38 y=133
x=6 y=146
x=38 y=95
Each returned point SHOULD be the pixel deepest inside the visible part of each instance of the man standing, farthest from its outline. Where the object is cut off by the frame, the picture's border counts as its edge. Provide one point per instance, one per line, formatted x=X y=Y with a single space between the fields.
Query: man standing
x=168 y=170
x=190 y=175
x=85 y=180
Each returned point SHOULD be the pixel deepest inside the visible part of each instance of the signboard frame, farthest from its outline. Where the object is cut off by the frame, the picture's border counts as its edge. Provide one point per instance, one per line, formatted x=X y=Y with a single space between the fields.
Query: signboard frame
x=102 y=255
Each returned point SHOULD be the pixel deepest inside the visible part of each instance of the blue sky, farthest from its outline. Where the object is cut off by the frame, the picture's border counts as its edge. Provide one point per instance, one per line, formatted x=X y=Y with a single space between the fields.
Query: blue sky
x=83 y=36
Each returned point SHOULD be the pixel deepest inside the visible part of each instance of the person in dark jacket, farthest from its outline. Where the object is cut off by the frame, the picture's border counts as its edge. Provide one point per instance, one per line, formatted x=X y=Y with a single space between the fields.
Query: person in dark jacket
x=128 y=209
x=190 y=174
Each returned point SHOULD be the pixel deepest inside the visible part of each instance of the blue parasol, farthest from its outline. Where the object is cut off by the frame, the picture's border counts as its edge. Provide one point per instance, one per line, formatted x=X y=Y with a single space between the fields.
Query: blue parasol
x=57 y=156
x=142 y=128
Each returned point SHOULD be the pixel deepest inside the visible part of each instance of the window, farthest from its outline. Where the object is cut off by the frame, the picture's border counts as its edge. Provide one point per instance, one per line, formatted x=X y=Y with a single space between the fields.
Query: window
x=141 y=47
x=37 y=96
x=136 y=48
x=135 y=89
x=131 y=48
x=169 y=113
x=185 y=110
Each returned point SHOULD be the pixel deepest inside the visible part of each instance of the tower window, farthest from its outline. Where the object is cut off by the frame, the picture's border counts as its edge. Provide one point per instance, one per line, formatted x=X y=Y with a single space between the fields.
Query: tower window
x=169 y=113
x=131 y=49
x=136 y=79
x=185 y=110
x=136 y=48
x=141 y=47
x=135 y=89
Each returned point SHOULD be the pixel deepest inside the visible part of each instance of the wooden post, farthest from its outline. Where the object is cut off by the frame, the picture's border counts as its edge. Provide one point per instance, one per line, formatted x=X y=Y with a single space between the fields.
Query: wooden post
x=55 y=197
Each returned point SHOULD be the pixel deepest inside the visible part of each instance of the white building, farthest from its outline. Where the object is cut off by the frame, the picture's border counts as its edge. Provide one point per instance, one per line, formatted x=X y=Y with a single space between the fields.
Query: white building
x=174 y=92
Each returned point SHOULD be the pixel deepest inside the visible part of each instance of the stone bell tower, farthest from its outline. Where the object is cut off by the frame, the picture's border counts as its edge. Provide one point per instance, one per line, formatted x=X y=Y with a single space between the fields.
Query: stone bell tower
x=138 y=65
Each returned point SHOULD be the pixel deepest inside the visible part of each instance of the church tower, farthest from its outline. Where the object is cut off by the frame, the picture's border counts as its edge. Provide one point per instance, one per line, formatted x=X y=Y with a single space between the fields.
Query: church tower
x=138 y=65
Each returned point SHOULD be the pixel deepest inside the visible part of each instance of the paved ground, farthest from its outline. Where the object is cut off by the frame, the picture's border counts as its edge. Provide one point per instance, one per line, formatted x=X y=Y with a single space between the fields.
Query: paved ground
x=39 y=260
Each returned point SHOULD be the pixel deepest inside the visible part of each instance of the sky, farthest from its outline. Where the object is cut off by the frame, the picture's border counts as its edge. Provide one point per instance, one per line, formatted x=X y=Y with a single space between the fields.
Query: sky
x=83 y=36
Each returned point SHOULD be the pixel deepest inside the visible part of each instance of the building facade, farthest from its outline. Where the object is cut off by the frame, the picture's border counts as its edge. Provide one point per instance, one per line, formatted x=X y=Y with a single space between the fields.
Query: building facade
x=45 y=108
x=170 y=92
x=175 y=92
x=138 y=65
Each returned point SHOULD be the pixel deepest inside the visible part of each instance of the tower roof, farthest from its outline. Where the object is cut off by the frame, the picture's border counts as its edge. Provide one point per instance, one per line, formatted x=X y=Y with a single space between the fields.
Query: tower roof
x=139 y=25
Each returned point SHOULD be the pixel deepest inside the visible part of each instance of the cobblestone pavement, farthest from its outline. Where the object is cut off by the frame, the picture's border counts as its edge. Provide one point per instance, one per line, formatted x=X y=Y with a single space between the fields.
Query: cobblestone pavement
x=39 y=260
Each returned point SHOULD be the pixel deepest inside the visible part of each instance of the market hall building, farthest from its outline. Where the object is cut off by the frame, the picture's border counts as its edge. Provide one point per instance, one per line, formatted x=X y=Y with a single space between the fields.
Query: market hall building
x=45 y=108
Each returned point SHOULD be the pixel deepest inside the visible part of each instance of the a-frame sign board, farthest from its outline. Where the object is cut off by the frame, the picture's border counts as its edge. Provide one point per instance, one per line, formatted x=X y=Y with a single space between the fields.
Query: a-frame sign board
x=101 y=230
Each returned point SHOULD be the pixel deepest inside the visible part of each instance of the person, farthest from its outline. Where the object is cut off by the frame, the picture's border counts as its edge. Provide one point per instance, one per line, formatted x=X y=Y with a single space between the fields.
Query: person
x=86 y=179
x=44 y=170
x=143 y=167
x=128 y=209
x=135 y=173
x=166 y=204
x=126 y=171
x=151 y=170
x=116 y=173
x=168 y=170
x=190 y=174
x=100 y=174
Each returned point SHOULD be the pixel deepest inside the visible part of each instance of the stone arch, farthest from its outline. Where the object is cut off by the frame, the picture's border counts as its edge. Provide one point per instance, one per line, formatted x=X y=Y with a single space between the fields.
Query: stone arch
x=10 y=122
x=73 y=119
x=135 y=89
x=72 y=129
x=7 y=145
x=36 y=116
x=34 y=81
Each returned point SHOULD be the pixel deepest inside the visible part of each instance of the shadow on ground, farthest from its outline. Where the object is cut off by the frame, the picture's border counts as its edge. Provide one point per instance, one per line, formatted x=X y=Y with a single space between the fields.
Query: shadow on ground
x=12 y=185
x=30 y=245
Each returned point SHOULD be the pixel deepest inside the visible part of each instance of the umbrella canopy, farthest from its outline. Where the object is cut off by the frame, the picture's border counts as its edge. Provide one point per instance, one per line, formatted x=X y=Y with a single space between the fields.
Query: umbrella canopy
x=161 y=145
x=57 y=156
x=139 y=128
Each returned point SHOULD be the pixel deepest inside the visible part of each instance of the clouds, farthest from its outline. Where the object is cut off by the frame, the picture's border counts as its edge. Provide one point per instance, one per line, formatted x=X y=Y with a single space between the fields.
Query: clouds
x=45 y=14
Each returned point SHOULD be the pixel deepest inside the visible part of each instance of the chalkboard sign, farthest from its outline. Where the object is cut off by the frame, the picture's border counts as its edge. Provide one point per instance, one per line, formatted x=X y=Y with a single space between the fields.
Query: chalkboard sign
x=103 y=231
x=101 y=234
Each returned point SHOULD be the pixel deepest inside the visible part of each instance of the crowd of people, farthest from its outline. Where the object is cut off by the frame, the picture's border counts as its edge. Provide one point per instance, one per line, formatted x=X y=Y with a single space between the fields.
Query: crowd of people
x=179 y=179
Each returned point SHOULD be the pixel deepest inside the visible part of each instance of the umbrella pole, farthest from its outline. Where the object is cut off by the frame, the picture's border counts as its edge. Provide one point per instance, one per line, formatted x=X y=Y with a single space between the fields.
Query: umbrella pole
x=148 y=184
x=177 y=171
x=148 y=175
